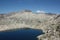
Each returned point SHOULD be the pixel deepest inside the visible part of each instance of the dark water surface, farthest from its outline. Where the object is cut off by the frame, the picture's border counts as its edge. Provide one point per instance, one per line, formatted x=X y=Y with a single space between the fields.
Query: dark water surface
x=22 y=34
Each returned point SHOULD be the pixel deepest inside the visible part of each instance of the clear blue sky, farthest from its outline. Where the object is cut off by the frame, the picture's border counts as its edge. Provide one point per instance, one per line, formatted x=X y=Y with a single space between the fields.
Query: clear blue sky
x=18 y=5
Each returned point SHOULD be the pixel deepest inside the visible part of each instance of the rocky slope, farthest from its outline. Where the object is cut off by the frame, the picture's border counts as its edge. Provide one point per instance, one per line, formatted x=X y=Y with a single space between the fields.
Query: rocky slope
x=49 y=23
x=52 y=30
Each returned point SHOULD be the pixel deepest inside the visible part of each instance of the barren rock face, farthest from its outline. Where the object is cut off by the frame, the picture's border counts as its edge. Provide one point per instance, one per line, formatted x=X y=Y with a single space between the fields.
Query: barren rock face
x=49 y=23
x=52 y=32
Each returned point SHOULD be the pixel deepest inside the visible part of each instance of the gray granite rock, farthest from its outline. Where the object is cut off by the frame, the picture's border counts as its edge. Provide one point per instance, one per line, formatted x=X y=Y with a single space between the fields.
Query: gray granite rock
x=49 y=23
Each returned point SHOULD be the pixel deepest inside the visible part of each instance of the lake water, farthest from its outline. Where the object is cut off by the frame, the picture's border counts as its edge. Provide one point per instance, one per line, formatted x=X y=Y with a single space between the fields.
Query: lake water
x=21 y=34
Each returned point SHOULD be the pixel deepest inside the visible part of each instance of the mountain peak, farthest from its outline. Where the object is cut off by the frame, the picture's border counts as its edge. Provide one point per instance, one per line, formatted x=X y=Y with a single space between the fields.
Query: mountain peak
x=26 y=10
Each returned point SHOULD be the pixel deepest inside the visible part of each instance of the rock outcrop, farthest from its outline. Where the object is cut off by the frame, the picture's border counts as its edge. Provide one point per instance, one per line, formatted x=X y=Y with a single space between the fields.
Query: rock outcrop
x=52 y=30
x=49 y=23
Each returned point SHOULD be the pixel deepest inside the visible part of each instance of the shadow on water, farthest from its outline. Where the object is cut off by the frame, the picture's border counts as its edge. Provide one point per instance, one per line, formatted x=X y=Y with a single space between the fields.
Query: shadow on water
x=21 y=34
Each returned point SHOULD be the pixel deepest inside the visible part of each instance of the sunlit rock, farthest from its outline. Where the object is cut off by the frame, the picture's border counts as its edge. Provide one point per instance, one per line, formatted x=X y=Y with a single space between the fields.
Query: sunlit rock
x=49 y=23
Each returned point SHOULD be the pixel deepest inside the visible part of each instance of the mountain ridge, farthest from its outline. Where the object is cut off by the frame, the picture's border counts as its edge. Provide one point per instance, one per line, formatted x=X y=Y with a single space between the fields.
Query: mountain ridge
x=49 y=23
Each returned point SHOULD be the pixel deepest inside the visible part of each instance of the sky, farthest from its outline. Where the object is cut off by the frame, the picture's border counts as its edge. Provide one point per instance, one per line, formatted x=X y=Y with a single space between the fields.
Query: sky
x=50 y=6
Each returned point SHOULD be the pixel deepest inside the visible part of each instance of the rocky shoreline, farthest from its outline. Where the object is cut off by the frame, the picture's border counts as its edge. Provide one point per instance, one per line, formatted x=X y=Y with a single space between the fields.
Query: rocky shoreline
x=50 y=24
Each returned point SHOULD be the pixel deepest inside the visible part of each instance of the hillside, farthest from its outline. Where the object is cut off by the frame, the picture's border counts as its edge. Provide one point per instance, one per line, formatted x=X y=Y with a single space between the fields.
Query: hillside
x=49 y=23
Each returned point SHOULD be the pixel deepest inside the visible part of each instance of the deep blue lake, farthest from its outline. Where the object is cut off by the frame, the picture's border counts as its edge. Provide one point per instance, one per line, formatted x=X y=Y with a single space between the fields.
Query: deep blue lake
x=21 y=34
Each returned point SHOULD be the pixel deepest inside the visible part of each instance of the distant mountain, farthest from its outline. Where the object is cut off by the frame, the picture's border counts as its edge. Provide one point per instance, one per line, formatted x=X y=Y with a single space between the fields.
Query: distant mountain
x=48 y=22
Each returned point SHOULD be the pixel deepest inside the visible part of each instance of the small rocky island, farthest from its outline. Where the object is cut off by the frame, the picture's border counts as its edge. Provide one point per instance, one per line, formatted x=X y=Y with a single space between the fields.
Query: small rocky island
x=49 y=23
